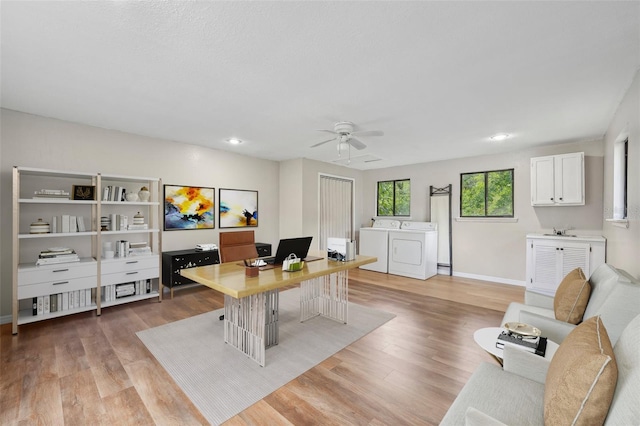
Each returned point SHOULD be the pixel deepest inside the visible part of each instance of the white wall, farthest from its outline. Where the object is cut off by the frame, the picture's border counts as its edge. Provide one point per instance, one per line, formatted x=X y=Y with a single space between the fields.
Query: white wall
x=496 y=250
x=623 y=244
x=33 y=141
x=291 y=189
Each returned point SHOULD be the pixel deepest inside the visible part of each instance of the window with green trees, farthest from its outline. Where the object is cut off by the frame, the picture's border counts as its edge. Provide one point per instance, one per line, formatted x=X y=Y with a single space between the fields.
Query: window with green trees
x=394 y=197
x=486 y=194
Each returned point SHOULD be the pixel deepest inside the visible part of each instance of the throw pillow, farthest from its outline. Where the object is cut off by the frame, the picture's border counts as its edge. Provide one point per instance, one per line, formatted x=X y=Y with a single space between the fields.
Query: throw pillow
x=572 y=297
x=581 y=378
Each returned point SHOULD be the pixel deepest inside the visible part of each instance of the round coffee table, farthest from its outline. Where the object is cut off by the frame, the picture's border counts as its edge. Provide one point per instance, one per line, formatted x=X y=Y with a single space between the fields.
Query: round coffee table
x=487 y=338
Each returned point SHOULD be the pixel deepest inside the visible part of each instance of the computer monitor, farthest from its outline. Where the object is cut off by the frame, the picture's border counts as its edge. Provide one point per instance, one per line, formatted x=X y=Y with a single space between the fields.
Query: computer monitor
x=299 y=246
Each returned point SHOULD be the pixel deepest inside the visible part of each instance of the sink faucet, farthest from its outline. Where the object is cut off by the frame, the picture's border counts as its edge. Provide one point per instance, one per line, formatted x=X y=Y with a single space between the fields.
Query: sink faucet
x=558 y=231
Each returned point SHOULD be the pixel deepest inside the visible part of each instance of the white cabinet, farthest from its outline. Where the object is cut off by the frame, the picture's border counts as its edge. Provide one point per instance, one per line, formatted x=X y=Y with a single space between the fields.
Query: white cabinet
x=558 y=180
x=550 y=258
x=73 y=202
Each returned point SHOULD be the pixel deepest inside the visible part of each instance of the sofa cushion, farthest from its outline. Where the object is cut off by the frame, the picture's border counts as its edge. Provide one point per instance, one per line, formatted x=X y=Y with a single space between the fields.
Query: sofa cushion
x=625 y=409
x=572 y=297
x=507 y=397
x=603 y=280
x=582 y=377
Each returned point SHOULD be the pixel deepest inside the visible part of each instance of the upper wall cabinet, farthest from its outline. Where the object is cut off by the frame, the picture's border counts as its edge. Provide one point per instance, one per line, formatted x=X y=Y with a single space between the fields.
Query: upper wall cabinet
x=558 y=180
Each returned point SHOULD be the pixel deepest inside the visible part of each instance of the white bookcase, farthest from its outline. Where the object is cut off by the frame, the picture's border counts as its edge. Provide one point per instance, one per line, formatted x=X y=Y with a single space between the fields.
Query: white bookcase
x=52 y=290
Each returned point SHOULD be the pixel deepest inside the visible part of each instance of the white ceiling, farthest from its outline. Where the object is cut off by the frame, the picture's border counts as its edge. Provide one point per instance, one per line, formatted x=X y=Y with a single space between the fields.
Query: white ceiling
x=438 y=78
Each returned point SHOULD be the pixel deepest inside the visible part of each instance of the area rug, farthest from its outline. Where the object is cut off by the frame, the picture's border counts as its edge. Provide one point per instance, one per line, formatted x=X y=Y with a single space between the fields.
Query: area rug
x=221 y=381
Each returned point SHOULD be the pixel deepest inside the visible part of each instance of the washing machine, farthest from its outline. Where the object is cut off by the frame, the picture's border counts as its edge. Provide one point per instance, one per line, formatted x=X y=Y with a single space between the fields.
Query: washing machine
x=413 y=250
x=374 y=241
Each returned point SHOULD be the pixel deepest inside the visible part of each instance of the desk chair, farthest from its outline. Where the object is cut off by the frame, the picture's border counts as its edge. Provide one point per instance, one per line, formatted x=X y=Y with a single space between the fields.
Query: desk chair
x=235 y=246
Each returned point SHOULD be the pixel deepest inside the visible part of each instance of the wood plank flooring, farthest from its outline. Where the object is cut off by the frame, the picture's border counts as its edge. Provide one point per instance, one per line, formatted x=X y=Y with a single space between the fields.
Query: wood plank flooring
x=85 y=369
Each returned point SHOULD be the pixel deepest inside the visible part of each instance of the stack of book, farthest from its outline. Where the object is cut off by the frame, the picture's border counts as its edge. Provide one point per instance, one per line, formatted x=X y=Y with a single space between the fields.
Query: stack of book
x=57 y=255
x=139 y=249
x=536 y=345
x=51 y=193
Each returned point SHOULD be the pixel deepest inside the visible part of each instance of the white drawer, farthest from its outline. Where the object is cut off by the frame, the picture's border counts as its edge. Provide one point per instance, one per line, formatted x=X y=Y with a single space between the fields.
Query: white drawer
x=128 y=276
x=59 y=272
x=129 y=264
x=58 y=286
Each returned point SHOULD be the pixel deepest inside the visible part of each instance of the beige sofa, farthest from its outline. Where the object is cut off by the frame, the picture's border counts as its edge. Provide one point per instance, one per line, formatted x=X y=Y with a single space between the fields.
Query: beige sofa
x=615 y=296
x=515 y=395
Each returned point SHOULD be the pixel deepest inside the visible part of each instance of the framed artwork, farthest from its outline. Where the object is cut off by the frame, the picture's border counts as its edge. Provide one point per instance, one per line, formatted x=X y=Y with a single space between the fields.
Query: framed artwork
x=83 y=192
x=188 y=207
x=238 y=208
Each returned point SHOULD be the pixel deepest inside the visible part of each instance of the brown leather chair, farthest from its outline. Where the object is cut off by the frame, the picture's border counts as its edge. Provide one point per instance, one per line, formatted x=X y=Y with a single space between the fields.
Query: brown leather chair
x=237 y=245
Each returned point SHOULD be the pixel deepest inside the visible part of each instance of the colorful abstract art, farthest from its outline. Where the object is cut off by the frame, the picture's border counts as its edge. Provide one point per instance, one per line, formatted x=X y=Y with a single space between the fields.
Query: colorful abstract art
x=188 y=207
x=238 y=208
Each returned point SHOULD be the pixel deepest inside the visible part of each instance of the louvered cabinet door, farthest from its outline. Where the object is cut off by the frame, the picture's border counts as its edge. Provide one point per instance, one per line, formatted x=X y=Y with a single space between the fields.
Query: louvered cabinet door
x=552 y=260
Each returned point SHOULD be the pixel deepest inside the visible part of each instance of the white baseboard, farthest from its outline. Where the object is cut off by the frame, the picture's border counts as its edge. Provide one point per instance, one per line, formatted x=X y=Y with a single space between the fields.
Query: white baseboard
x=488 y=278
x=6 y=319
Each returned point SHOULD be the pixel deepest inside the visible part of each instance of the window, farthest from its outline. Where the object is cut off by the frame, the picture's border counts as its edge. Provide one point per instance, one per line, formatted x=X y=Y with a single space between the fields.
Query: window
x=486 y=194
x=394 y=197
x=620 y=164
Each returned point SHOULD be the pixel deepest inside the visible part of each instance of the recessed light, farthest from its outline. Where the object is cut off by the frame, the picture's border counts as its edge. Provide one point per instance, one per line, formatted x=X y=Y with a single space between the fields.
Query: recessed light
x=500 y=136
x=234 y=141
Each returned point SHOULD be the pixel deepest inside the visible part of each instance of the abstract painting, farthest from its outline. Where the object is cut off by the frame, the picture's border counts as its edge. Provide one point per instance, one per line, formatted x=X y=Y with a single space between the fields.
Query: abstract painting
x=188 y=207
x=238 y=208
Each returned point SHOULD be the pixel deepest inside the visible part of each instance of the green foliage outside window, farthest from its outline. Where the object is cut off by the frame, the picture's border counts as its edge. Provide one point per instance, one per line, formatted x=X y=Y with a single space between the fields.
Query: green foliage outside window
x=486 y=194
x=394 y=198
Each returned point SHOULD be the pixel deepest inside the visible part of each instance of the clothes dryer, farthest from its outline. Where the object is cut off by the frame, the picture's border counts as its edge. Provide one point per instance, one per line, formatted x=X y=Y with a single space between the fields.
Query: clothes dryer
x=374 y=241
x=413 y=250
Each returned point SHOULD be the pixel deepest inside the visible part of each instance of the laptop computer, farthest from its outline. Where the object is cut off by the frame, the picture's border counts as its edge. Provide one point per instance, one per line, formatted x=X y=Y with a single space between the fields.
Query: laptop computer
x=299 y=246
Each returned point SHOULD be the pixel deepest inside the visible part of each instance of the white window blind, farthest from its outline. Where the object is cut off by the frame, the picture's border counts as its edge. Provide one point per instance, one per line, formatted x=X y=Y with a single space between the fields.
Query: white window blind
x=336 y=209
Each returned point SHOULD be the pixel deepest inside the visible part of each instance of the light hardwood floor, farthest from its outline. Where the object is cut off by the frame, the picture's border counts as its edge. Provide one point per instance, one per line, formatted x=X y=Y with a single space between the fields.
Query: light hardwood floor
x=84 y=369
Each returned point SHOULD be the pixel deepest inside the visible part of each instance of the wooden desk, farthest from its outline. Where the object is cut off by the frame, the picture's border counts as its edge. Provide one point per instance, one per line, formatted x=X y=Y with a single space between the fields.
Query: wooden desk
x=251 y=303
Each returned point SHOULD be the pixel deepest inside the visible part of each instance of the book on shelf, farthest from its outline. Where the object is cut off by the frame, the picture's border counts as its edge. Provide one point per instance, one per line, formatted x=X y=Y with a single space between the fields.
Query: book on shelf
x=57 y=255
x=55 y=251
x=81 y=226
x=51 y=193
x=138 y=227
x=143 y=251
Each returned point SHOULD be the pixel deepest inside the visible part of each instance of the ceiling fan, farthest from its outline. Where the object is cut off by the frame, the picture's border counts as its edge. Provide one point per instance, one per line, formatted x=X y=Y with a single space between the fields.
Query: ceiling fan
x=344 y=134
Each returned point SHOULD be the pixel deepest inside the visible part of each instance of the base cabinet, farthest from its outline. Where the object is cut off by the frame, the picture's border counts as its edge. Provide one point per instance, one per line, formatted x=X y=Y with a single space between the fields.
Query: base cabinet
x=550 y=258
x=174 y=261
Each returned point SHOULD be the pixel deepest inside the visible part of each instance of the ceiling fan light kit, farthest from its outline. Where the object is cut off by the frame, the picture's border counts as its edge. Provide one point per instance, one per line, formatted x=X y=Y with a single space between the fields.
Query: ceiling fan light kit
x=344 y=134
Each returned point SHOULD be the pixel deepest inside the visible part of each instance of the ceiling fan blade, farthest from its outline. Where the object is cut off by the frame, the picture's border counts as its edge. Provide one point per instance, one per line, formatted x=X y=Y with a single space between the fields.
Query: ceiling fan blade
x=323 y=142
x=357 y=144
x=369 y=133
x=326 y=130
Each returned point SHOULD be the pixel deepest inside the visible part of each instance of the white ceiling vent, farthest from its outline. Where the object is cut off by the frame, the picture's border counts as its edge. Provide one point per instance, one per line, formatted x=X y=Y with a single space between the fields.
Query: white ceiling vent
x=360 y=159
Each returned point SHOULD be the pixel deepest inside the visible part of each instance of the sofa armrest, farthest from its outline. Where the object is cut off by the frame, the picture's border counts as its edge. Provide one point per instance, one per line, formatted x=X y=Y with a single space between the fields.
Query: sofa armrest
x=474 y=417
x=551 y=328
x=525 y=364
x=537 y=299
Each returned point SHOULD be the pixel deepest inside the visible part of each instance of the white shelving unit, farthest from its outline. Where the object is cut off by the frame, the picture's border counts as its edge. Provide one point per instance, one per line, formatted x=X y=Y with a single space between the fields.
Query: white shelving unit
x=79 y=286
